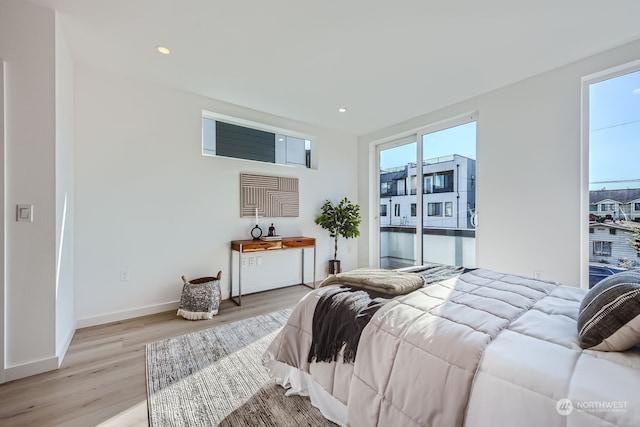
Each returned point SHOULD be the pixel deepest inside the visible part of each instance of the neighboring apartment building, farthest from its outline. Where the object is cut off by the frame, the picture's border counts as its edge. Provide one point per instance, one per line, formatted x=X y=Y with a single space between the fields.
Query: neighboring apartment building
x=448 y=190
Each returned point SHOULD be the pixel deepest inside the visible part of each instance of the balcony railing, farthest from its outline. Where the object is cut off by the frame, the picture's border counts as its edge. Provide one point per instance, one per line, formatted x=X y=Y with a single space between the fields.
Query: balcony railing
x=439 y=245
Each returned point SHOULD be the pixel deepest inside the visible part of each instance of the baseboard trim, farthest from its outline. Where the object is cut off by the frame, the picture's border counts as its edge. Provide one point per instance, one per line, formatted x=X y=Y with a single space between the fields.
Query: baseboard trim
x=125 y=314
x=32 y=368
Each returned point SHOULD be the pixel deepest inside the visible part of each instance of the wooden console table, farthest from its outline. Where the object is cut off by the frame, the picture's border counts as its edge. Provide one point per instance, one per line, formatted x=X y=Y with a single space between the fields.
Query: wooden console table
x=246 y=246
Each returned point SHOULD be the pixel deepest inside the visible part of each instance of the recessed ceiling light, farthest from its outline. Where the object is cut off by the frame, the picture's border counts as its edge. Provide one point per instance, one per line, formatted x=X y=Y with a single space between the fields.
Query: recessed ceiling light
x=342 y=110
x=163 y=50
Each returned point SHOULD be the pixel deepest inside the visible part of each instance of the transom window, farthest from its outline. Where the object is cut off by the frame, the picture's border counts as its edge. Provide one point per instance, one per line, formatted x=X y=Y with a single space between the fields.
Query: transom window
x=240 y=139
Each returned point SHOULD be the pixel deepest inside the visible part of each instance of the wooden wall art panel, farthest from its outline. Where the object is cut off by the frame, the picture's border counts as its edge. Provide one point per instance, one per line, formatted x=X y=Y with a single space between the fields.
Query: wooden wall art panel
x=273 y=196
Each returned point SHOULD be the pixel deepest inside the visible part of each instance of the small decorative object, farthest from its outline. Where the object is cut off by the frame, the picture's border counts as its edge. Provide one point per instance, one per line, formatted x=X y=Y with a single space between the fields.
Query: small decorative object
x=200 y=298
x=256 y=232
x=343 y=220
x=272 y=231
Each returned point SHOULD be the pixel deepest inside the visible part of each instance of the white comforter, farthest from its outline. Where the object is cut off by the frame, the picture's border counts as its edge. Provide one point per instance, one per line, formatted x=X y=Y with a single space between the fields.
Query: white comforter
x=484 y=349
x=535 y=374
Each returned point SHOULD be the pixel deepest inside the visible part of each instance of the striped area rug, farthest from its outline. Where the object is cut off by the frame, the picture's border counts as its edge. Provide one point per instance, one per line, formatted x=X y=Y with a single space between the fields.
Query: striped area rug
x=215 y=377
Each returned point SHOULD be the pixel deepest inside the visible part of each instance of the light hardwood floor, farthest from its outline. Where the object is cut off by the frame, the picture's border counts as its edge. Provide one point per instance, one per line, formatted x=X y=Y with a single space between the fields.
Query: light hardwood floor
x=102 y=378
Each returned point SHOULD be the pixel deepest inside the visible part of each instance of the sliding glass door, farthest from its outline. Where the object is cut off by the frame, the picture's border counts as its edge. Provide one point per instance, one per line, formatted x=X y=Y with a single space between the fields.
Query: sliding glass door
x=397 y=218
x=427 y=209
x=449 y=195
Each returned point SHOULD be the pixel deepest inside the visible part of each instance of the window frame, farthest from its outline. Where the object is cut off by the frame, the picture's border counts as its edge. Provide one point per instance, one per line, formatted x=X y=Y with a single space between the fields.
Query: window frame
x=258 y=126
x=587 y=81
x=421 y=186
x=601 y=244
x=439 y=210
x=388 y=188
x=448 y=212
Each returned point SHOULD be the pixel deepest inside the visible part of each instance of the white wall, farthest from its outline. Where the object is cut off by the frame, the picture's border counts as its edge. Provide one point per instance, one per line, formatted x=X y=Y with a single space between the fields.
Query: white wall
x=65 y=318
x=149 y=203
x=2 y=222
x=538 y=119
x=27 y=45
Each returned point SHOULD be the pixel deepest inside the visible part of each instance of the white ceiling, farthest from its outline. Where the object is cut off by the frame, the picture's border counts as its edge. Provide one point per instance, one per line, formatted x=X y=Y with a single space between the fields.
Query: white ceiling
x=386 y=61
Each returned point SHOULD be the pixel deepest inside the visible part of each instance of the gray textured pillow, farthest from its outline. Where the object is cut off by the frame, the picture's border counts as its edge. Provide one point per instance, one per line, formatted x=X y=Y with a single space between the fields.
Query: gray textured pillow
x=200 y=298
x=609 y=318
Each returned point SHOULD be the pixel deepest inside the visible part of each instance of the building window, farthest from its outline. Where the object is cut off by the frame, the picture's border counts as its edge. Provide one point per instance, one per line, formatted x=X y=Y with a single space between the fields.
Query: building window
x=400 y=187
x=605 y=207
x=612 y=231
x=636 y=206
x=438 y=182
x=448 y=208
x=428 y=184
x=602 y=248
x=434 y=209
x=413 y=209
x=396 y=209
x=240 y=139
x=383 y=210
x=443 y=182
x=591 y=230
x=385 y=188
x=593 y=207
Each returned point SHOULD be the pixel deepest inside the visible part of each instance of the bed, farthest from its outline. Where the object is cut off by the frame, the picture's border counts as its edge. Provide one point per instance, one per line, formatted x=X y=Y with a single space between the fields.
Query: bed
x=482 y=348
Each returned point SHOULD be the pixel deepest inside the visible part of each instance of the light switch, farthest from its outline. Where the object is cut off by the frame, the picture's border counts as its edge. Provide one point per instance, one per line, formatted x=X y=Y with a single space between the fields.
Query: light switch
x=24 y=213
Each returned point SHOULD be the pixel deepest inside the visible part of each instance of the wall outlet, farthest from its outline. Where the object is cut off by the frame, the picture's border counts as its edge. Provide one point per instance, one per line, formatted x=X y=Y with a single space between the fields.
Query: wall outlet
x=244 y=262
x=124 y=275
x=259 y=260
x=252 y=262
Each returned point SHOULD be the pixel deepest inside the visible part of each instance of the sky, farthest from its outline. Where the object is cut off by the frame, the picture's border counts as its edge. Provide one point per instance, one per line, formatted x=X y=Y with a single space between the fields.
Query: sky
x=456 y=140
x=614 y=133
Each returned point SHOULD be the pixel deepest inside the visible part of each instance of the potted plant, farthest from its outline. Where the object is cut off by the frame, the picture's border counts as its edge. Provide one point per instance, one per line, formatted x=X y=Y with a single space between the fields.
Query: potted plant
x=343 y=220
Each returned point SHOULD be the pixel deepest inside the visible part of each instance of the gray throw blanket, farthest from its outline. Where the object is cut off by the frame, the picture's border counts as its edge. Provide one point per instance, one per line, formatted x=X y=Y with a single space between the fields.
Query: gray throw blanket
x=392 y=282
x=338 y=320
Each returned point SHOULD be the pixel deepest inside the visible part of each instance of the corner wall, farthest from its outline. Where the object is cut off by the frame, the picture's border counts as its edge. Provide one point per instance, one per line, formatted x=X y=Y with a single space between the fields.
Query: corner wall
x=149 y=204
x=528 y=168
x=27 y=46
x=65 y=316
